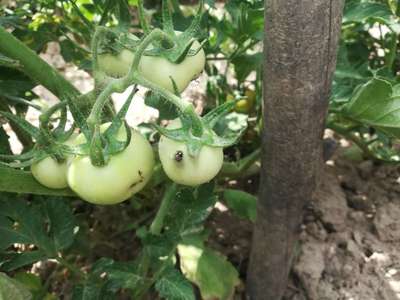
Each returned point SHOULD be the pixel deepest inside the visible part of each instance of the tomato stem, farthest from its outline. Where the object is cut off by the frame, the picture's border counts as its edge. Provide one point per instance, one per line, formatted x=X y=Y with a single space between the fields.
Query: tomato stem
x=158 y=222
x=133 y=76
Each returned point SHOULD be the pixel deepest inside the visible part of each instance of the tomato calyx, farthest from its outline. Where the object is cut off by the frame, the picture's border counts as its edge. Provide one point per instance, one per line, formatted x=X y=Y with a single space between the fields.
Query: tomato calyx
x=198 y=132
x=178 y=46
x=101 y=146
x=48 y=141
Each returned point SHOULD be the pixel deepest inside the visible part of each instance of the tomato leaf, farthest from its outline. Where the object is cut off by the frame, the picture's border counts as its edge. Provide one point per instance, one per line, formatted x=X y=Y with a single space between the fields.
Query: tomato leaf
x=209 y=270
x=189 y=210
x=173 y=285
x=12 y=289
x=374 y=104
x=370 y=11
x=14 y=260
x=243 y=204
x=48 y=224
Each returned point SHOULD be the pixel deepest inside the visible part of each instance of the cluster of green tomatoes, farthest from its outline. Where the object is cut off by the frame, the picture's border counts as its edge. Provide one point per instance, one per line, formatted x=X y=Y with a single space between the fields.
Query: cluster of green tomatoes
x=107 y=163
x=127 y=172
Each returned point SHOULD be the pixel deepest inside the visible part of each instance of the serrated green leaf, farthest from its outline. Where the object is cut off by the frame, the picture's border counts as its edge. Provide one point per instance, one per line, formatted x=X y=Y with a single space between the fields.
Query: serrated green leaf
x=30 y=229
x=209 y=270
x=243 y=204
x=48 y=224
x=189 y=210
x=18 y=260
x=124 y=275
x=245 y=64
x=363 y=11
x=373 y=104
x=11 y=289
x=31 y=281
x=174 y=286
x=61 y=222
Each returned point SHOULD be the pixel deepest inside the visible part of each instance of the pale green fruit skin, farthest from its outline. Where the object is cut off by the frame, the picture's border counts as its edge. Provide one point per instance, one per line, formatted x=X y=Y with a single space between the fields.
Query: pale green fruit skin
x=190 y=171
x=125 y=174
x=116 y=65
x=50 y=173
x=158 y=70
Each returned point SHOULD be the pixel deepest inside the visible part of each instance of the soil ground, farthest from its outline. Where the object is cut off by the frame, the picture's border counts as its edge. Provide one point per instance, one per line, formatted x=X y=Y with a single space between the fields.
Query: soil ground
x=350 y=242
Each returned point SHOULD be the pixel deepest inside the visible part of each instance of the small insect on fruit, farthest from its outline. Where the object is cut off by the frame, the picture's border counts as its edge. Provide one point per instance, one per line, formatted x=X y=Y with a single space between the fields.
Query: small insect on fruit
x=179 y=156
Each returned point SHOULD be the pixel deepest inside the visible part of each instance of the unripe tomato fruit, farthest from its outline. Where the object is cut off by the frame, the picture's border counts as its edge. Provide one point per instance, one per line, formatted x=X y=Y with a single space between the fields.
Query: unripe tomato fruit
x=158 y=70
x=246 y=105
x=125 y=174
x=184 y=169
x=51 y=173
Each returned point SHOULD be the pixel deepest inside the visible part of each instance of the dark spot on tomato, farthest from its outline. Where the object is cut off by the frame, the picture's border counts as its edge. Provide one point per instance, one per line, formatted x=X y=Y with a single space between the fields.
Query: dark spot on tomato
x=139 y=181
x=179 y=156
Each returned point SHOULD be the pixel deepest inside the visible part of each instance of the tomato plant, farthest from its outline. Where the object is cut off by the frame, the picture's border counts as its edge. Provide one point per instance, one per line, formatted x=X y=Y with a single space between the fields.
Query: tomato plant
x=161 y=199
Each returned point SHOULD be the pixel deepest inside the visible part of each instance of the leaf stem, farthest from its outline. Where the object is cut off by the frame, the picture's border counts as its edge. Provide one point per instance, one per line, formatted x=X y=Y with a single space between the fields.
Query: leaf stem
x=158 y=222
x=134 y=77
x=74 y=269
x=33 y=66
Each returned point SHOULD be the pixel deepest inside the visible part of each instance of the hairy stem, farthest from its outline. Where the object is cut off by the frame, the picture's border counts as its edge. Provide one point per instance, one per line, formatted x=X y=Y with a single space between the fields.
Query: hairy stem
x=35 y=67
x=134 y=77
x=158 y=222
x=74 y=269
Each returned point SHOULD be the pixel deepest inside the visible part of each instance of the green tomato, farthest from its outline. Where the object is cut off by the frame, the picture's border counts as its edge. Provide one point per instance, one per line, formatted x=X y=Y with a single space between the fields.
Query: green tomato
x=125 y=174
x=158 y=70
x=184 y=169
x=51 y=173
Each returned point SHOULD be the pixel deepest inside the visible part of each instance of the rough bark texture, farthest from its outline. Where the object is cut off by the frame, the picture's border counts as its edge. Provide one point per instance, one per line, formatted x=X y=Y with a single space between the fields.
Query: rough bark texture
x=300 y=56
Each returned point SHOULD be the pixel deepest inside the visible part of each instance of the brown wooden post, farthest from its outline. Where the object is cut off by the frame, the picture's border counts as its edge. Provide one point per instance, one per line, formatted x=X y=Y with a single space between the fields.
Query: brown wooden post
x=300 y=44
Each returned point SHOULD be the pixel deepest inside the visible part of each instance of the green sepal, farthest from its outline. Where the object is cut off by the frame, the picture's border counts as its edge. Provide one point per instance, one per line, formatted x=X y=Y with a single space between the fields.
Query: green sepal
x=20 y=100
x=168 y=25
x=178 y=135
x=226 y=141
x=103 y=146
x=115 y=40
x=59 y=131
x=182 y=44
x=79 y=118
x=96 y=148
x=63 y=136
x=113 y=146
x=22 y=124
x=25 y=163
x=213 y=116
x=174 y=85
x=143 y=22
x=23 y=156
x=118 y=120
x=194 y=27
x=196 y=132
x=194 y=146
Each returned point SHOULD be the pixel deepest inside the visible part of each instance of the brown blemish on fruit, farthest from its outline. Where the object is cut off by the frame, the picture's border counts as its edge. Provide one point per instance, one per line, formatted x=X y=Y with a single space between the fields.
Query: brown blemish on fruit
x=140 y=173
